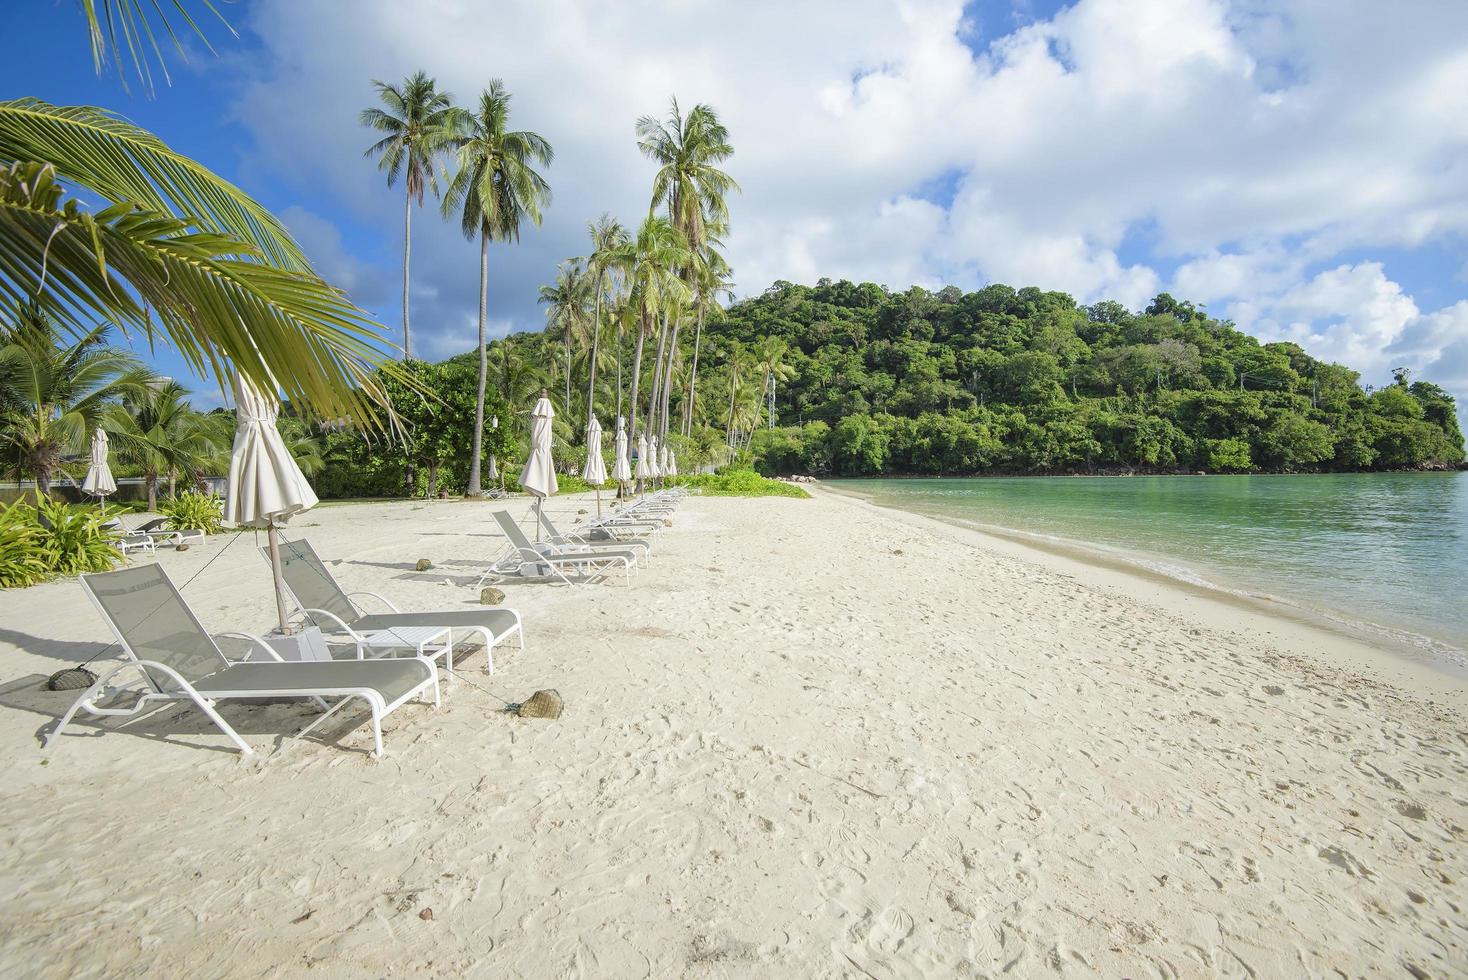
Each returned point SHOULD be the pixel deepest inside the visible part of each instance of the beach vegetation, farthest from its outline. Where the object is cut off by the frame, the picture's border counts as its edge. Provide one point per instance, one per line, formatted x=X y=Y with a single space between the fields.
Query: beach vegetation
x=193 y=510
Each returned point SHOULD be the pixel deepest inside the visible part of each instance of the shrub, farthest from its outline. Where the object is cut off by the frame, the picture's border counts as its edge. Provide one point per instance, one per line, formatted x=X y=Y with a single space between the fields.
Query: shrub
x=22 y=558
x=194 y=511
x=73 y=539
x=1228 y=455
x=739 y=483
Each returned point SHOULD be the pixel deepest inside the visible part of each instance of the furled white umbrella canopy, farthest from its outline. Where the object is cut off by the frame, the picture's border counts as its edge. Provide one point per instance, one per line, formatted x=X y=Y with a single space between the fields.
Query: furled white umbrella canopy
x=653 y=470
x=672 y=469
x=595 y=471
x=538 y=477
x=99 y=481
x=621 y=468
x=644 y=470
x=266 y=487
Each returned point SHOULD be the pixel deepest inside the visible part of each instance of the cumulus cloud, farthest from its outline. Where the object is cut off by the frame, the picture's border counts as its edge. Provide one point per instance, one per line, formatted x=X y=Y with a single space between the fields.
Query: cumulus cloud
x=924 y=141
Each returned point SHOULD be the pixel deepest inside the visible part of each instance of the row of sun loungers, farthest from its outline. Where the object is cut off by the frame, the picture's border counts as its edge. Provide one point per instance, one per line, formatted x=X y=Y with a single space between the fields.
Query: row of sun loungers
x=171 y=657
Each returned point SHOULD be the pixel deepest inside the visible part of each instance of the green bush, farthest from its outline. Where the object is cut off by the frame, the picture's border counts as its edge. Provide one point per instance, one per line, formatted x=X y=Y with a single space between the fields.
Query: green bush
x=738 y=483
x=22 y=558
x=191 y=511
x=1229 y=455
x=73 y=539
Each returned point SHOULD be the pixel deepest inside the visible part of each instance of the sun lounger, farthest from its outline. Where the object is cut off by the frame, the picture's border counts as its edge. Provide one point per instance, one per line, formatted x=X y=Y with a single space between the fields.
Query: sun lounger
x=585 y=538
x=553 y=558
x=327 y=606
x=177 y=660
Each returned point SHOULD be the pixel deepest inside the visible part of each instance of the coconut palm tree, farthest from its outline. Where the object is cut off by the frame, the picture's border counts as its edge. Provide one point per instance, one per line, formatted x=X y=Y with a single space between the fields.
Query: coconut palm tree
x=738 y=366
x=710 y=281
x=769 y=360
x=689 y=182
x=417 y=121
x=496 y=188
x=157 y=429
x=57 y=393
x=610 y=255
x=566 y=311
x=659 y=251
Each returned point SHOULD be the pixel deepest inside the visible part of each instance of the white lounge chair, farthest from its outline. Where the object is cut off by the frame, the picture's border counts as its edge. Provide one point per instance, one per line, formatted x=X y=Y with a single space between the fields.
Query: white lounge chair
x=553 y=558
x=595 y=538
x=177 y=660
x=323 y=602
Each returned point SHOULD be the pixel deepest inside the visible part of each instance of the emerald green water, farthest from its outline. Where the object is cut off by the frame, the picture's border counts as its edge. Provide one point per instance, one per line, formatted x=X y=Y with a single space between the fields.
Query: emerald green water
x=1385 y=553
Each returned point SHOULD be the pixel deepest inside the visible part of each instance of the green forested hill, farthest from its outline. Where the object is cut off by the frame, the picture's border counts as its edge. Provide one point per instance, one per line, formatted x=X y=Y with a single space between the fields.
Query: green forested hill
x=1028 y=381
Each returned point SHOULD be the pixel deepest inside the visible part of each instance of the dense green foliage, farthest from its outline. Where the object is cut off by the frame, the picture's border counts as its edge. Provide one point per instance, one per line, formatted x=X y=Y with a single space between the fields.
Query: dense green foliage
x=47 y=537
x=1029 y=381
x=738 y=483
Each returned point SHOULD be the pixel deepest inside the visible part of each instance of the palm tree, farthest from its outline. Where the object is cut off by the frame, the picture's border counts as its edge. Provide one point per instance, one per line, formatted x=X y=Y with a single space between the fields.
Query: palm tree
x=660 y=250
x=57 y=394
x=710 y=280
x=156 y=428
x=610 y=255
x=496 y=187
x=418 y=123
x=566 y=302
x=689 y=182
x=169 y=249
x=769 y=360
x=737 y=366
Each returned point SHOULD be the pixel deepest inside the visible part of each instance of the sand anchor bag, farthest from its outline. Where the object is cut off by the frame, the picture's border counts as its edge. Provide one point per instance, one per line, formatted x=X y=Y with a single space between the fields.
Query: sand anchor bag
x=541 y=704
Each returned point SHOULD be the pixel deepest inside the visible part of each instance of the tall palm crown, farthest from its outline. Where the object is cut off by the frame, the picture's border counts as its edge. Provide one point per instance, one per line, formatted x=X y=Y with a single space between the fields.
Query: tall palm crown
x=608 y=259
x=56 y=393
x=417 y=121
x=657 y=254
x=566 y=312
x=689 y=183
x=497 y=186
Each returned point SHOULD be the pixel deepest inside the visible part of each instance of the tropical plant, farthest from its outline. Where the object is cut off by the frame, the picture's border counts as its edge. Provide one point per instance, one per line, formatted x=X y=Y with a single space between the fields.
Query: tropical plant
x=710 y=281
x=418 y=122
x=76 y=539
x=192 y=510
x=689 y=183
x=225 y=285
x=495 y=189
x=134 y=22
x=769 y=360
x=609 y=257
x=566 y=312
x=156 y=429
x=58 y=392
x=658 y=252
x=22 y=556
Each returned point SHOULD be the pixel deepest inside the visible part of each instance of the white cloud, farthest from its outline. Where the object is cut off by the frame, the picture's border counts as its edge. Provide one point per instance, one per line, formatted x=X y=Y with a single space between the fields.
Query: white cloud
x=1254 y=141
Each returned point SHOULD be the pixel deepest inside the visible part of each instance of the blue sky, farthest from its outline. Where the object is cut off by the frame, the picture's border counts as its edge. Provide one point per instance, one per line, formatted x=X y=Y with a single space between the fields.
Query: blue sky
x=1298 y=166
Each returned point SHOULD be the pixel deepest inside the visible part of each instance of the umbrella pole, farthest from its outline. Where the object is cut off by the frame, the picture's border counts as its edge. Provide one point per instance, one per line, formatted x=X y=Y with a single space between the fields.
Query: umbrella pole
x=537 y=519
x=598 y=500
x=273 y=535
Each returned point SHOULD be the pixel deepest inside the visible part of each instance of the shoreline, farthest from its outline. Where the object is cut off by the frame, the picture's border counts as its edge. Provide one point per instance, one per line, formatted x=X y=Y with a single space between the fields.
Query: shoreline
x=1376 y=654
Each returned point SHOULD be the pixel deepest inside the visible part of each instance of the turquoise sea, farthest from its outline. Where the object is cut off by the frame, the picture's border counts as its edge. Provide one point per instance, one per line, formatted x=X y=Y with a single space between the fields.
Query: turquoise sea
x=1385 y=554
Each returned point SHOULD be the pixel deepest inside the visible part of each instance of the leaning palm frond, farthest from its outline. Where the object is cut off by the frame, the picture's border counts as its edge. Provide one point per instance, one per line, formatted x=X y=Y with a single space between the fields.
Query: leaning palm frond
x=218 y=306
x=115 y=25
x=92 y=148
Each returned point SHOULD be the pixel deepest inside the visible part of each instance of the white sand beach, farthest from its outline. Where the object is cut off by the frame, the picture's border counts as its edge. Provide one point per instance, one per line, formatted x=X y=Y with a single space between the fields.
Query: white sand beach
x=813 y=738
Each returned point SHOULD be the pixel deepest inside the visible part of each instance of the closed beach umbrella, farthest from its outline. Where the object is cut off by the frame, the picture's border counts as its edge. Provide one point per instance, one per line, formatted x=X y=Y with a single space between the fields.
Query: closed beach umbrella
x=621 y=469
x=538 y=477
x=663 y=460
x=672 y=464
x=99 y=480
x=595 y=471
x=266 y=487
x=653 y=469
x=644 y=471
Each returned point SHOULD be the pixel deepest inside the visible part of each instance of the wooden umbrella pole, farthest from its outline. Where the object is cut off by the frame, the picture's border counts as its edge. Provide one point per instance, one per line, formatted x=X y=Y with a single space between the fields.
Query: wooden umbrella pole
x=273 y=536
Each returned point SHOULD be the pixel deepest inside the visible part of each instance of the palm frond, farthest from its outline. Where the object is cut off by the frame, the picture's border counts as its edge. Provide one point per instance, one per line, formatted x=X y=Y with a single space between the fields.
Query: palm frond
x=92 y=148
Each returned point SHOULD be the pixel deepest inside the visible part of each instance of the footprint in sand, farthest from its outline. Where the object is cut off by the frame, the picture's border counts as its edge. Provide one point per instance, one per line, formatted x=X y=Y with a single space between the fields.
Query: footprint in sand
x=892 y=928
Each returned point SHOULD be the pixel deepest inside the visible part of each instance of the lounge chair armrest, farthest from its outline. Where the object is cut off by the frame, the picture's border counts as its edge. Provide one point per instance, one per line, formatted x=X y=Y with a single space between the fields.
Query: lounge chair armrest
x=341 y=623
x=379 y=597
x=260 y=644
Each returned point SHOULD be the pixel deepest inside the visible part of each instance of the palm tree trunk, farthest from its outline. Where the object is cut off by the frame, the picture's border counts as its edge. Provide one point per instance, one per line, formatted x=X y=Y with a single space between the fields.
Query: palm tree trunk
x=152 y=481
x=668 y=381
x=657 y=377
x=567 y=336
x=433 y=479
x=693 y=377
x=637 y=373
x=173 y=483
x=472 y=490
x=619 y=368
x=595 y=343
x=407 y=255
